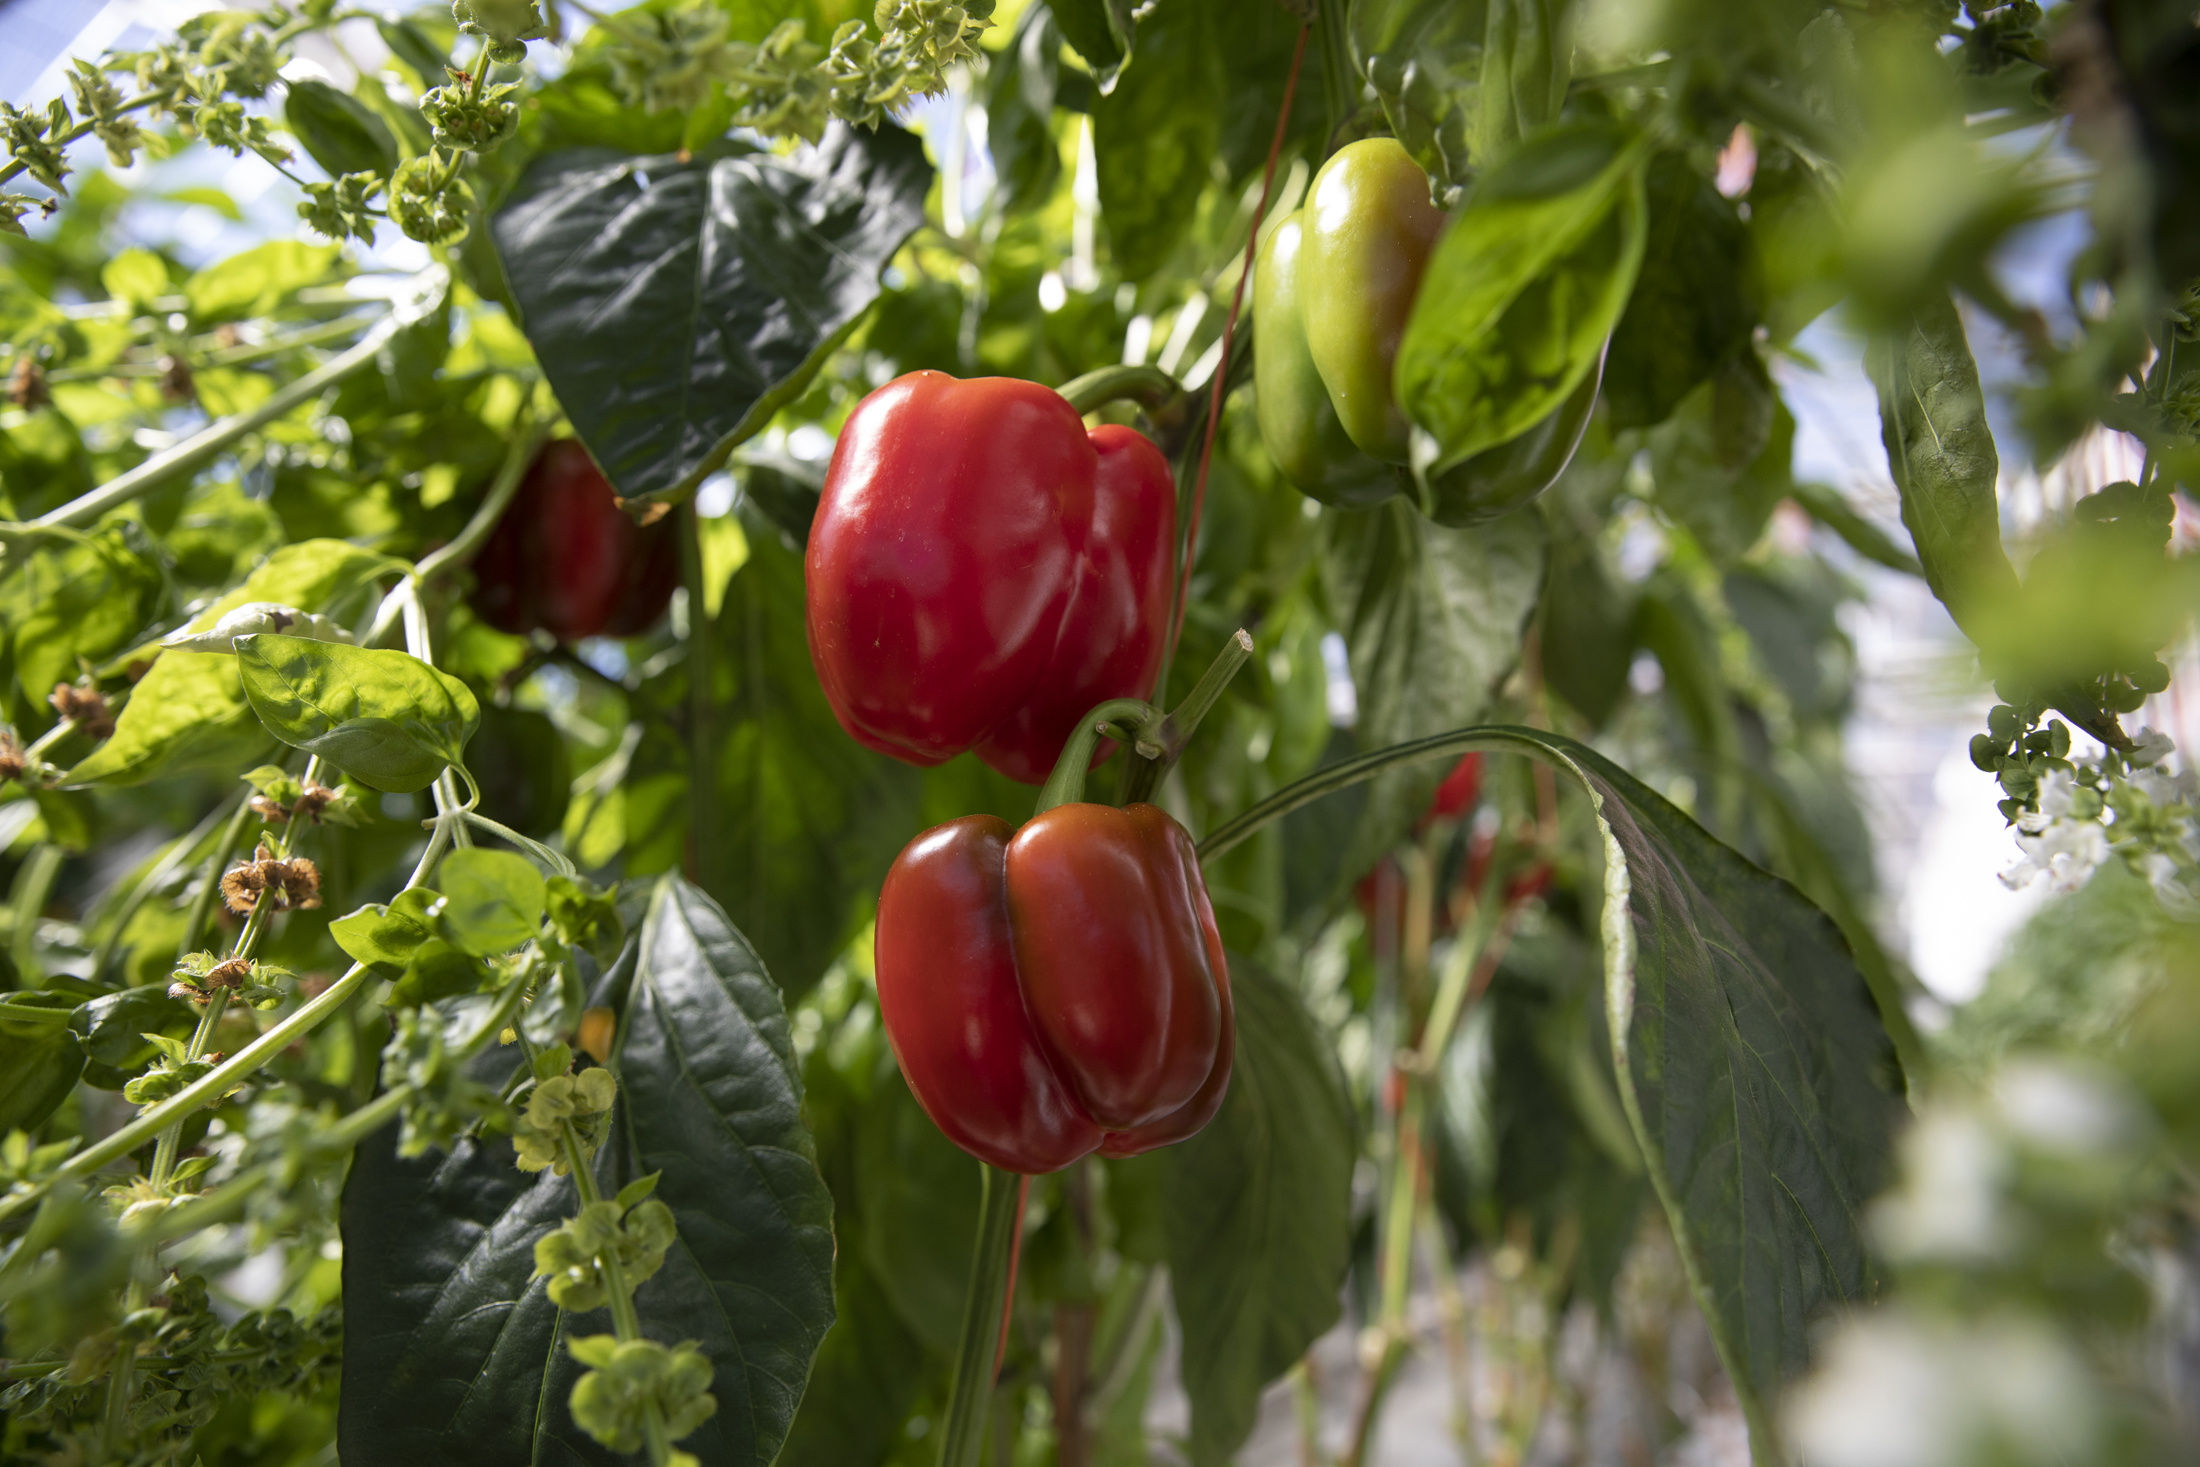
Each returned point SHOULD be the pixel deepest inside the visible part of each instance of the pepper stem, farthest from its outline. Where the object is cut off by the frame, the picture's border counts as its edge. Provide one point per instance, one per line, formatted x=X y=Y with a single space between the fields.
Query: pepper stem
x=1161 y=395
x=985 y=1306
x=1143 y=776
x=1132 y=720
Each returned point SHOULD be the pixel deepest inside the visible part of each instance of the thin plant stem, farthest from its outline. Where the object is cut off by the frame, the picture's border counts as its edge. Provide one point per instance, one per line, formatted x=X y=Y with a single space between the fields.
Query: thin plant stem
x=1222 y=366
x=207 y=444
x=231 y=1072
x=978 y=1350
x=626 y=1325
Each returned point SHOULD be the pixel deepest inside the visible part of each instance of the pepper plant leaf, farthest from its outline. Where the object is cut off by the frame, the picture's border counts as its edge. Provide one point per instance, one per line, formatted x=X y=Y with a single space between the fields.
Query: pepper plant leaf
x=493 y=900
x=1257 y=1214
x=1940 y=448
x=1523 y=289
x=453 y=1352
x=384 y=717
x=1754 y=1069
x=675 y=306
x=189 y=711
x=1154 y=138
x=1432 y=619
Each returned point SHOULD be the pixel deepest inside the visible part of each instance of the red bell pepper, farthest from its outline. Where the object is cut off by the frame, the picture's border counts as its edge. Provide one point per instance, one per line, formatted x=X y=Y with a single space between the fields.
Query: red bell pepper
x=982 y=570
x=1058 y=989
x=567 y=559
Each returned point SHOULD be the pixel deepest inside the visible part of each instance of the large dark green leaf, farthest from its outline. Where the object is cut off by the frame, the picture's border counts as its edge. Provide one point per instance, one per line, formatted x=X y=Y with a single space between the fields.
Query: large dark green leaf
x=1154 y=138
x=807 y=819
x=1257 y=1213
x=1753 y=1067
x=677 y=305
x=1694 y=302
x=1104 y=32
x=1932 y=417
x=452 y=1354
x=1433 y=619
x=869 y=1371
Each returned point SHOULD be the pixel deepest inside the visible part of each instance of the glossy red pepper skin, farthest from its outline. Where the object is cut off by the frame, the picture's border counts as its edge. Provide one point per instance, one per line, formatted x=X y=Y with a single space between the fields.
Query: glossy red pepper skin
x=982 y=571
x=1058 y=990
x=565 y=558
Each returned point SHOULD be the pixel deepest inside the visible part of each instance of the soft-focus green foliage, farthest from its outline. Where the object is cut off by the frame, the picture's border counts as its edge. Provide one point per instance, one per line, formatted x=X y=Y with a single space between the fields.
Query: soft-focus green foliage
x=694 y=234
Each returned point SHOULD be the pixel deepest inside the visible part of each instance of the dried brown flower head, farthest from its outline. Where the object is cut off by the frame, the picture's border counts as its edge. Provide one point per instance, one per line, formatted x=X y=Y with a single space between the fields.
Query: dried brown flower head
x=12 y=762
x=301 y=881
x=175 y=380
x=84 y=705
x=274 y=812
x=27 y=386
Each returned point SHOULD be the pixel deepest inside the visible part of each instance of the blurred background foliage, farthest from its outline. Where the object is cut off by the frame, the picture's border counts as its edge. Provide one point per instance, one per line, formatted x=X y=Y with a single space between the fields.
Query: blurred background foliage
x=1679 y=600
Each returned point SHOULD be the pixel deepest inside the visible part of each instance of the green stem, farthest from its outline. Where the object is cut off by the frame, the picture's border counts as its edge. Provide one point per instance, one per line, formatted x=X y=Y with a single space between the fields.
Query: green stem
x=703 y=743
x=61 y=730
x=626 y=1325
x=33 y=885
x=233 y=1071
x=1142 y=776
x=460 y=549
x=1160 y=394
x=248 y=942
x=978 y=1348
x=1493 y=737
x=541 y=853
x=202 y=905
x=205 y=446
x=160 y=871
x=1131 y=716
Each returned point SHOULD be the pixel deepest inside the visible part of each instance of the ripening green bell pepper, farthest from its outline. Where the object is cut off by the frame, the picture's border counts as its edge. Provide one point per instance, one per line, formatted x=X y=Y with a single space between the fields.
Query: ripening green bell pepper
x=1369 y=229
x=1297 y=421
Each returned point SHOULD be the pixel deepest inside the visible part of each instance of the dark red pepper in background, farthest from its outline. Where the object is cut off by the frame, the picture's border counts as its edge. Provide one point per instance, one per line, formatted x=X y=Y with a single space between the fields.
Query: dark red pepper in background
x=1058 y=989
x=566 y=559
x=982 y=571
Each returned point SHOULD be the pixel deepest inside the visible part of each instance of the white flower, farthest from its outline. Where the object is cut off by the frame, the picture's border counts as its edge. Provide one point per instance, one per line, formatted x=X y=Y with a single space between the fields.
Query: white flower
x=2150 y=747
x=2064 y=851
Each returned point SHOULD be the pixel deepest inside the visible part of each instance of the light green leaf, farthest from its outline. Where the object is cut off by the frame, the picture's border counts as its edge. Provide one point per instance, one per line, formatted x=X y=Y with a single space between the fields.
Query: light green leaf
x=384 y=938
x=79 y=599
x=189 y=711
x=1523 y=290
x=385 y=718
x=493 y=900
x=1155 y=136
x=136 y=278
x=255 y=282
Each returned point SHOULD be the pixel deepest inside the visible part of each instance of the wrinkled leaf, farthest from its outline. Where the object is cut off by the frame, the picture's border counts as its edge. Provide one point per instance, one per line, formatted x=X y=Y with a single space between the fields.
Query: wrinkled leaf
x=1523 y=290
x=1257 y=1212
x=1424 y=59
x=79 y=599
x=454 y=1354
x=384 y=717
x=1754 y=1070
x=677 y=306
x=189 y=711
